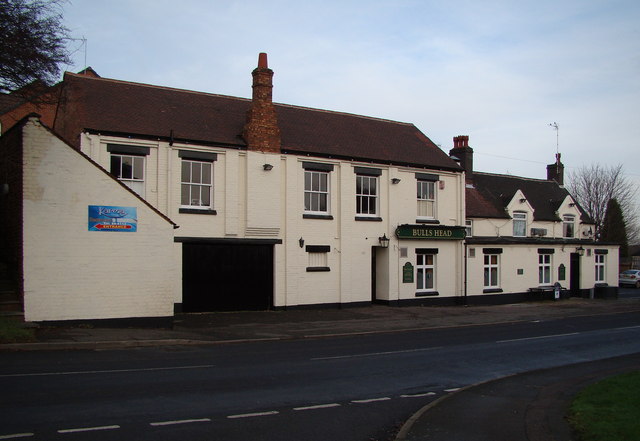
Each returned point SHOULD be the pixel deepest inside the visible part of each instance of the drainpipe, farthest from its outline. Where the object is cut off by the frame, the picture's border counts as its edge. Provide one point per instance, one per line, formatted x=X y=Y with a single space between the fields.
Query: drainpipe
x=465 y=274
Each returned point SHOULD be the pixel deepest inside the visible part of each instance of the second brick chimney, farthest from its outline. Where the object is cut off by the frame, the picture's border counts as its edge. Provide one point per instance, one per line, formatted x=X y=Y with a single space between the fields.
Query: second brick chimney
x=555 y=172
x=261 y=131
x=463 y=153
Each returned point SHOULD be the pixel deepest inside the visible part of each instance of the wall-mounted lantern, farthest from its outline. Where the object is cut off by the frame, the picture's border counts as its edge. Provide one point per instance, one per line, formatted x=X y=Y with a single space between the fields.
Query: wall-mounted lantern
x=384 y=241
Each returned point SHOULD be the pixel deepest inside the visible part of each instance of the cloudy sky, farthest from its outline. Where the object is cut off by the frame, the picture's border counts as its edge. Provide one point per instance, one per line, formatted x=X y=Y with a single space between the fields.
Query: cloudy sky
x=498 y=71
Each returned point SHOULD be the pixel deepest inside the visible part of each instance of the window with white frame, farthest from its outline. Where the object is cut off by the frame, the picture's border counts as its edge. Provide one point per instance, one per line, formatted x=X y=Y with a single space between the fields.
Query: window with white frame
x=129 y=169
x=196 y=181
x=491 y=271
x=316 y=192
x=600 y=268
x=425 y=270
x=196 y=186
x=367 y=192
x=468 y=226
x=426 y=199
x=128 y=165
x=568 y=225
x=519 y=224
x=544 y=269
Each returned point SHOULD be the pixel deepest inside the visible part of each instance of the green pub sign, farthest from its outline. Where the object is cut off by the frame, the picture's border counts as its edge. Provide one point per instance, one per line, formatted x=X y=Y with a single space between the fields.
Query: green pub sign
x=407 y=273
x=430 y=232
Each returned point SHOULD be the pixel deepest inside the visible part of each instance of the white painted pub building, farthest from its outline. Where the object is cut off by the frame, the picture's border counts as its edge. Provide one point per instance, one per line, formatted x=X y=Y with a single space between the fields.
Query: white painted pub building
x=133 y=201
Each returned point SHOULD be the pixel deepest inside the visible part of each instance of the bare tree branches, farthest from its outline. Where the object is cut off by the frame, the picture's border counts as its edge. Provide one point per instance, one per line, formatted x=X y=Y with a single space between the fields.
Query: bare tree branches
x=33 y=43
x=593 y=186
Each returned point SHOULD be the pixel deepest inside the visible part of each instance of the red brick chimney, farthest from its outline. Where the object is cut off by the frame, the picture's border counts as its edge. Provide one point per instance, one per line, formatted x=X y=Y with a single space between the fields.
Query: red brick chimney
x=463 y=153
x=261 y=131
x=555 y=172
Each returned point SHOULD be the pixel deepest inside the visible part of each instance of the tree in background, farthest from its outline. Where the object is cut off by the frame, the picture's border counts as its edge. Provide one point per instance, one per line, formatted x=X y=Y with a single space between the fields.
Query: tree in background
x=33 y=44
x=614 y=228
x=594 y=186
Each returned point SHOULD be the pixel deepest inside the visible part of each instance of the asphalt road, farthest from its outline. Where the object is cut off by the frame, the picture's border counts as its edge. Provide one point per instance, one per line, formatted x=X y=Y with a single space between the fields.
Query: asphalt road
x=348 y=388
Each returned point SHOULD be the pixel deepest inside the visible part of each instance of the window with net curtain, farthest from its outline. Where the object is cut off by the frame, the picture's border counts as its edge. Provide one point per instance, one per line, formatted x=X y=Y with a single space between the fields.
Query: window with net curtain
x=520 y=224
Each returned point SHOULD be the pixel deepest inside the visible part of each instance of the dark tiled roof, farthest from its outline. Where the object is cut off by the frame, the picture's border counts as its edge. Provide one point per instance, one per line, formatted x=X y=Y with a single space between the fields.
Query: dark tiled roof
x=113 y=106
x=492 y=193
x=9 y=101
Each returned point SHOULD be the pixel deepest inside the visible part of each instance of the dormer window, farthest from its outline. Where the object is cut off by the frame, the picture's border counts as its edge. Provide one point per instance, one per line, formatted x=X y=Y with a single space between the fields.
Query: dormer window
x=519 y=224
x=568 y=226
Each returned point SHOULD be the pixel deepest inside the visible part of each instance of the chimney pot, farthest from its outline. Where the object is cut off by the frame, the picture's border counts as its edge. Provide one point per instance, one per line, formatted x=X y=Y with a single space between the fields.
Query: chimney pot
x=262 y=61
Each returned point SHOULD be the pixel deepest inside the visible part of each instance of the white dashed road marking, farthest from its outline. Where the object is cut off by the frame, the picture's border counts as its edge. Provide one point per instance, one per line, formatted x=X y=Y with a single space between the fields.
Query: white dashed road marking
x=318 y=406
x=371 y=400
x=374 y=354
x=538 y=338
x=114 y=371
x=251 y=415
x=426 y=394
x=455 y=389
x=170 y=423
x=88 y=429
x=208 y=420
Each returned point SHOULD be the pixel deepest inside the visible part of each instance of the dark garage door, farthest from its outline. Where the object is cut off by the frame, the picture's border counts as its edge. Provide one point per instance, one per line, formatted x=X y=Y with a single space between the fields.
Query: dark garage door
x=226 y=277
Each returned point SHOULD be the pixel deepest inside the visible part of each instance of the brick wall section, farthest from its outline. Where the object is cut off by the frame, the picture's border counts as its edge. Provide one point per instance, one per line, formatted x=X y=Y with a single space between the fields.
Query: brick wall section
x=71 y=273
x=11 y=204
x=261 y=131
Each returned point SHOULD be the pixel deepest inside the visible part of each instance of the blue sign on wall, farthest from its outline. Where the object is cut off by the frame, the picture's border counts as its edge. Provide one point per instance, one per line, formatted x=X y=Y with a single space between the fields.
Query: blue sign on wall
x=105 y=218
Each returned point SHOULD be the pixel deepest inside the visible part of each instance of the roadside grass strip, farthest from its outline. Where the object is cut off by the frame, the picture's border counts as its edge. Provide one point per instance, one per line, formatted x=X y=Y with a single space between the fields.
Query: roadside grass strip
x=608 y=410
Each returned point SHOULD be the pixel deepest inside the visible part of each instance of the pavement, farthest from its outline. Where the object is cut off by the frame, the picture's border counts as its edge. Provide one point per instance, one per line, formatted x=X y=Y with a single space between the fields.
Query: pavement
x=528 y=406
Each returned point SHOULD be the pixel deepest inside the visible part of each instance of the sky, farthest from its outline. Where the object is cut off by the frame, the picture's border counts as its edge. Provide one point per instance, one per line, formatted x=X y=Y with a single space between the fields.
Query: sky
x=500 y=72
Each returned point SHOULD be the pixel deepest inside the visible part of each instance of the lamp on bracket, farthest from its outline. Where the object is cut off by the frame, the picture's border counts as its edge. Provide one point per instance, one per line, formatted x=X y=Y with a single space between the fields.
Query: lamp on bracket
x=384 y=241
x=267 y=167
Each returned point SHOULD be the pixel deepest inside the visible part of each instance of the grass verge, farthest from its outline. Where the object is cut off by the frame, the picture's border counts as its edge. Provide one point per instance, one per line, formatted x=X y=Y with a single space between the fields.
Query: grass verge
x=608 y=410
x=12 y=331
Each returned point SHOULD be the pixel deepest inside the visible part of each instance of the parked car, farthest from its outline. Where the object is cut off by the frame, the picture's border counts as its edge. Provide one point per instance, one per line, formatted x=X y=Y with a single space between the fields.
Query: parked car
x=629 y=277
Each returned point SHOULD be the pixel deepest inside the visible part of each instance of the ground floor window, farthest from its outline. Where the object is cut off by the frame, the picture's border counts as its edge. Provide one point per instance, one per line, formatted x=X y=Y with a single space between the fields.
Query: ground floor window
x=425 y=272
x=600 y=268
x=544 y=269
x=491 y=271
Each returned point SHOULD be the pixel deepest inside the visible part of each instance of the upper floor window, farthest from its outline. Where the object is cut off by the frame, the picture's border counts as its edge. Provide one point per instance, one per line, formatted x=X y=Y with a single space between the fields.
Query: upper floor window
x=468 y=226
x=426 y=199
x=196 y=184
x=128 y=165
x=568 y=226
x=196 y=181
x=367 y=192
x=426 y=195
x=519 y=224
x=316 y=192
